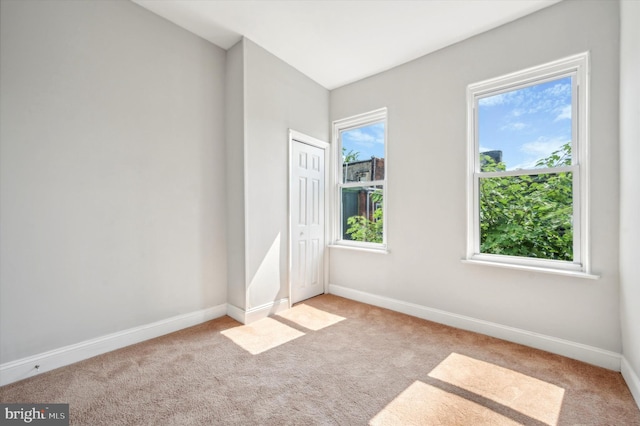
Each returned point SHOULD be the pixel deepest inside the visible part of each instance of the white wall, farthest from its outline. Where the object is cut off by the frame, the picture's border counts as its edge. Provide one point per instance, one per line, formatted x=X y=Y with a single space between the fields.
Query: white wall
x=426 y=167
x=235 y=150
x=265 y=98
x=112 y=181
x=277 y=97
x=112 y=172
x=630 y=186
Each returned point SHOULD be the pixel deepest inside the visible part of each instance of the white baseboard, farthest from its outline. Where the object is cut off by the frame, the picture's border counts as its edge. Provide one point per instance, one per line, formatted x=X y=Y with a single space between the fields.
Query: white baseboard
x=258 y=312
x=579 y=351
x=23 y=368
x=632 y=379
x=236 y=313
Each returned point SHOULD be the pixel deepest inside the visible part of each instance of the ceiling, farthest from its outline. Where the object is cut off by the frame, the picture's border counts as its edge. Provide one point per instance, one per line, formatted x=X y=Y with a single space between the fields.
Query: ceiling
x=336 y=42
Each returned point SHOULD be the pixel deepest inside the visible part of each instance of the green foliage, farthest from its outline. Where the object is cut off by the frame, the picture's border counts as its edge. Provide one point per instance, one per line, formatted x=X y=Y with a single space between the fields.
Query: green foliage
x=363 y=229
x=559 y=158
x=349 y=157
x=528 y=215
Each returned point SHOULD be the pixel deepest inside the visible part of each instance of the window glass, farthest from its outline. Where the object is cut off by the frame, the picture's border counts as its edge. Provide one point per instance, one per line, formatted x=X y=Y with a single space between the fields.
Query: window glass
x=528 y=197
x=527 y=216
x=362 y=213
x=520 y=127
x=363 y=153
x=529 y=128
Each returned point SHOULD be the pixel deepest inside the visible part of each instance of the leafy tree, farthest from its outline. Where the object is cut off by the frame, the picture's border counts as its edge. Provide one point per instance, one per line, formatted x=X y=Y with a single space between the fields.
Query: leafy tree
x=349 y=157
x=362 y=228
x=528 y=215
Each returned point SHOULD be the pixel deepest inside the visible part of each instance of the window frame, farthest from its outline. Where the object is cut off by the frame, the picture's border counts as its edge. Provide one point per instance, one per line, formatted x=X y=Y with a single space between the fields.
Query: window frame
x=576 y=66
x=339 y=126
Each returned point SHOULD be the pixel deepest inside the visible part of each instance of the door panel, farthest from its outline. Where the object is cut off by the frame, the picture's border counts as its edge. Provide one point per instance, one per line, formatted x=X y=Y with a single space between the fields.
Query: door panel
x=302 y=201
x=307 y=221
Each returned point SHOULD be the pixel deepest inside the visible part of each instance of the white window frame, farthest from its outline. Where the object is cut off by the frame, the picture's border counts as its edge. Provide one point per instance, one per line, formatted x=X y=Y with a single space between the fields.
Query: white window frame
x=360 y=120
x=578 y=67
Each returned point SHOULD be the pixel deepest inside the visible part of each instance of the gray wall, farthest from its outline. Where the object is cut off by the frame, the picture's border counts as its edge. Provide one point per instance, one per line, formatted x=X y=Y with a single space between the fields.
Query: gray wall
x=265 y=98
x=277 y=97
x=427 y=195
x=112 y=164
x=234 y=119
x=630 y=183
x=114 y=190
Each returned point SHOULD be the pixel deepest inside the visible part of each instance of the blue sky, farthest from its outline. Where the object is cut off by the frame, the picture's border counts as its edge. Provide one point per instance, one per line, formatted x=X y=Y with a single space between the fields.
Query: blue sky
x=368 y=141
x=526 y=124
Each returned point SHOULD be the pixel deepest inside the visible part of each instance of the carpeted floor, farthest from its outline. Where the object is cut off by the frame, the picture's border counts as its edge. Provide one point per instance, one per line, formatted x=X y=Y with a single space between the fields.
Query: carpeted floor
x=331 y=361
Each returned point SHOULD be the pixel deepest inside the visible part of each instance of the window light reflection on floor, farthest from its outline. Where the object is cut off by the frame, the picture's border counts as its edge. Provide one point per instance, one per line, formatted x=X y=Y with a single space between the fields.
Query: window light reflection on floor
x=262 y=335
x=310 y=317
x=423 y=404
x=509 y=396
x=268 y=333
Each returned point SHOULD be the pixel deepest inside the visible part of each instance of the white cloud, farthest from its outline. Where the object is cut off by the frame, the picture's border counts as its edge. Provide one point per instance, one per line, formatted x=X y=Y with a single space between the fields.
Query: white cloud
x=541 y=146
x=366 y=141
x=559 y=90
x=358 y=136
x=550 y=99
x=537 y=150
x=366 y=137
x=493 y=100
x=531 y=100
x=563 y=113
x=514 y=126
x=514 y=97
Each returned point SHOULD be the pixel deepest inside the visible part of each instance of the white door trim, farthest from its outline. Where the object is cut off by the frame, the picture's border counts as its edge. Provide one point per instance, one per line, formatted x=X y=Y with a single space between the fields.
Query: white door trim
x=295 y=136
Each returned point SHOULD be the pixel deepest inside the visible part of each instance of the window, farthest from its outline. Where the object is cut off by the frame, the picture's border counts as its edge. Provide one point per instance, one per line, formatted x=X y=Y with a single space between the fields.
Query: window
x=361 y=180
x=528 y=168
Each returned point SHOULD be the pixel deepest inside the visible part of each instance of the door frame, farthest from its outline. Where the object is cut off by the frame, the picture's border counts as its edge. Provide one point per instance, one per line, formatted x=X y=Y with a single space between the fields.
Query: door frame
x=295 y=136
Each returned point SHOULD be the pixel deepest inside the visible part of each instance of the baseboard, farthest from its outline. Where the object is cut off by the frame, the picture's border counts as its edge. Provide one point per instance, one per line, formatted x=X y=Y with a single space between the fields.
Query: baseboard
x=632 y=379
x=236 y=313
x=258 y=312
x=23 y=368
x=579 y=351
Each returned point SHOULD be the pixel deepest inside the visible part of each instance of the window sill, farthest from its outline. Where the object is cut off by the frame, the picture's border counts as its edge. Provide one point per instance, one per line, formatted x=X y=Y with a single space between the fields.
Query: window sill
x=381 y=250
x=568 y=273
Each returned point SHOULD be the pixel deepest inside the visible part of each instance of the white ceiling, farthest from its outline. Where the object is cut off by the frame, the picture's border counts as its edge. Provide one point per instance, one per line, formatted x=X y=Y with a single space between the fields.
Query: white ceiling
x=338 y=42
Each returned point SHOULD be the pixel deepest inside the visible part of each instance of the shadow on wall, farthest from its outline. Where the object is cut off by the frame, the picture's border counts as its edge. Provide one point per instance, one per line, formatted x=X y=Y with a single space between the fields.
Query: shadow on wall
x=264 y=287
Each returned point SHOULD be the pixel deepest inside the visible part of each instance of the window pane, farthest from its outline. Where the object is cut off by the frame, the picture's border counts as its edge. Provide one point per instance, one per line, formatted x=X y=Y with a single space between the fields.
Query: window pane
x=517 y=129
x=529 y=216
x=362 y=213
x=363 y=153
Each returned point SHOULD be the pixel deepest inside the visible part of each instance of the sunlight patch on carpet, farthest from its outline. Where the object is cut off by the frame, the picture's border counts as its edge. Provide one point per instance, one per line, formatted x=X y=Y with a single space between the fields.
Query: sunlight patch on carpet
x=310 y=317
x=530 y=396
x=262 y=335
x=423 y=404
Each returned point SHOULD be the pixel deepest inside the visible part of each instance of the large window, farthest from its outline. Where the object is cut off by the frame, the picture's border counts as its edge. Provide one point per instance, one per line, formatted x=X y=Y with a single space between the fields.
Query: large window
x=361 y=179
x=528 y=168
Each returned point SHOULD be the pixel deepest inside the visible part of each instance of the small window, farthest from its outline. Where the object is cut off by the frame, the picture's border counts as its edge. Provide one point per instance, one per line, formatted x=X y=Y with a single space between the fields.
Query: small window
x=528 y=167
x=361 y=180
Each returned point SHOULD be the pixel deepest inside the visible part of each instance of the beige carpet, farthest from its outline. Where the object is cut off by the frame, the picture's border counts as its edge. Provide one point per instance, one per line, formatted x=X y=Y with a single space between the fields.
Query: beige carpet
x=331 y=361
